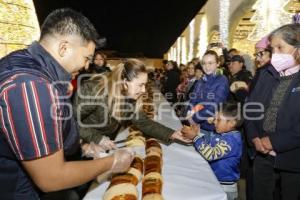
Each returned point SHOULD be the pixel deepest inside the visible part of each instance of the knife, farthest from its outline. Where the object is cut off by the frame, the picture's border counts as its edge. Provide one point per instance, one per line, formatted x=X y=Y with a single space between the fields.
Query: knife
x=120 y=141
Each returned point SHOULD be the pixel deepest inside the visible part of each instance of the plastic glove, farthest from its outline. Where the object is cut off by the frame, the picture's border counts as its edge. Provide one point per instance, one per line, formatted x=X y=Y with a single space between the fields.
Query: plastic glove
x=92 y=150
x=107 y=144
x=122 y=160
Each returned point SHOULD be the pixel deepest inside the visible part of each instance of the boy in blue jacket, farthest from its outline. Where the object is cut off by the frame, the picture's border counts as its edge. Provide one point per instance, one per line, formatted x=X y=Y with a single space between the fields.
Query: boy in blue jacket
x=224 y=149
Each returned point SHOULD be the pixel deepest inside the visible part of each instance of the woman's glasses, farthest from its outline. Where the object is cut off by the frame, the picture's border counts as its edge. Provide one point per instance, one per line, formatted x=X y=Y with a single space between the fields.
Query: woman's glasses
x=259 y=54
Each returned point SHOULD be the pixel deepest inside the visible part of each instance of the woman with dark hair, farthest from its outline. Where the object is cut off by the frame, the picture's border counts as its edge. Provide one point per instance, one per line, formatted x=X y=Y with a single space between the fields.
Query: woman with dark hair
x=275 y=131
x=99 y=64
x=193 y=82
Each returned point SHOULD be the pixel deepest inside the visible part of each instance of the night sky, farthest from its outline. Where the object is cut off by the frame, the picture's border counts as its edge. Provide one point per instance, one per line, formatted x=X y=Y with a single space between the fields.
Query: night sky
x=132 y=28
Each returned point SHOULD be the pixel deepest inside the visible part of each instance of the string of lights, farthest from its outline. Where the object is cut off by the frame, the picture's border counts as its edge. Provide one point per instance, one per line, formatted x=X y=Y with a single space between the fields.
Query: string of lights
x=191 y=39
x=224 y=20
x=268 y=16
x=203 y=42
x=183 y=50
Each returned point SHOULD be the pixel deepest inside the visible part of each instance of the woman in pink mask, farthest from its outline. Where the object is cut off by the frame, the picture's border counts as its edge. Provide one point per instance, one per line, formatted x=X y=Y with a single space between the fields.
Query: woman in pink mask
x=274 y=128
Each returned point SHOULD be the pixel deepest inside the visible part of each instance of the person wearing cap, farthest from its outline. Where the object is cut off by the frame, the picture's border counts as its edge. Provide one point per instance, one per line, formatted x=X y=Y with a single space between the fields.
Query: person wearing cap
x=239 y=79
x=263 y=57
x=263 y=52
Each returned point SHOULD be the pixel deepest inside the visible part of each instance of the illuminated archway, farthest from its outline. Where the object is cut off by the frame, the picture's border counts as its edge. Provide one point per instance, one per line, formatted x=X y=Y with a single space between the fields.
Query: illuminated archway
x=18 y=25
x=259 y=20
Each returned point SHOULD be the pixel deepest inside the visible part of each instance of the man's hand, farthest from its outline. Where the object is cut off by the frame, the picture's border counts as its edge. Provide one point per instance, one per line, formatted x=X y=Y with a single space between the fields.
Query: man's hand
x=221 y=45
x=177 y=135
x=259 y=145
x=267 y=143
x=107 y=144
x=122 y=160
x=52 y=173
x=238 y=85
x=190 y=132
x=92 y=150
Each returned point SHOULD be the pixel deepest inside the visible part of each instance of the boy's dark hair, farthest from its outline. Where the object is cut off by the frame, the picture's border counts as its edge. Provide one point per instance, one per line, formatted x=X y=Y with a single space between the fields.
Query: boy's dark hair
x=66 y=21
x=231 y=110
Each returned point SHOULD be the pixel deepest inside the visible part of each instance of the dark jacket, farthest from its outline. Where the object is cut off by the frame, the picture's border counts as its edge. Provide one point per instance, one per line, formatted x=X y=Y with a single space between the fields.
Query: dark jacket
x=223 y=152
x=256 y=75
x=14 y=181
x=241 y=94
x=172 y=80
x=286 y=138
x=95 y=120
x=95 y=69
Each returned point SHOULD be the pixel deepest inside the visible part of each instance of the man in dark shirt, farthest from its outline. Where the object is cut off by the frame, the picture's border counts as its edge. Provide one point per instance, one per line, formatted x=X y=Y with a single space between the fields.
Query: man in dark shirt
x=239 y=79
x=37 y=129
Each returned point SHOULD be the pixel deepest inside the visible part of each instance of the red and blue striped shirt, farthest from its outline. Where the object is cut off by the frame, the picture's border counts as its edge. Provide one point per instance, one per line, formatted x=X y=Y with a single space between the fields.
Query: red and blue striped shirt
x=30 y=116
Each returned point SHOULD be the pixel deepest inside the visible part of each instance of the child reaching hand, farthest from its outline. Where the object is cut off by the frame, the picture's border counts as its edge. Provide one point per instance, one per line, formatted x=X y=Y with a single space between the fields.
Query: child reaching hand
x=224 y=149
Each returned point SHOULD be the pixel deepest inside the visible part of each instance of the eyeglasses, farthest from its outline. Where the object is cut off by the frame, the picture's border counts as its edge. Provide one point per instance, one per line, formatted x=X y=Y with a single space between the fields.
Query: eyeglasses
x=259 y=54
x=208 y=63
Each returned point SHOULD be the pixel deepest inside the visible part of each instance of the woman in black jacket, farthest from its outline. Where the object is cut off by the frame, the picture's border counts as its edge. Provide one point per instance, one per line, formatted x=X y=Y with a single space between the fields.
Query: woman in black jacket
x=275 y=129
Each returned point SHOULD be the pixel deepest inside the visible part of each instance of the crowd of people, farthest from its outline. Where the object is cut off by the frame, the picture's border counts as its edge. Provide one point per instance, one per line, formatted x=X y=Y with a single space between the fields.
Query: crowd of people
x=243 y=123
x=263 y=148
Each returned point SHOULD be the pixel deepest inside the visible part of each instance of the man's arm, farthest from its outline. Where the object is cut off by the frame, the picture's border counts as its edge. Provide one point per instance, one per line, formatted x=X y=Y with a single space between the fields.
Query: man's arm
x=29 y=115
x=52 y=173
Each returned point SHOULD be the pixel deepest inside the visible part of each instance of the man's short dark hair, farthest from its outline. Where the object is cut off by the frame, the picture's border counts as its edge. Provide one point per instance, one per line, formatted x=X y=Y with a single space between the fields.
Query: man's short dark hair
x=232 y=50
x=231 y=110
x=66 y=21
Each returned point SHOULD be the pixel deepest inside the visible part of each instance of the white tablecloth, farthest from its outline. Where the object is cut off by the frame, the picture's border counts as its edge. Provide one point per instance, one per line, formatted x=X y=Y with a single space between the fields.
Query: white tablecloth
x=187 y=176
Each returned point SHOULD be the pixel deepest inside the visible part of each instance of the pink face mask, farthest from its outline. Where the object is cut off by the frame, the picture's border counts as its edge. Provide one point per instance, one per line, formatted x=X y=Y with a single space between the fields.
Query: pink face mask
x=282 y=61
